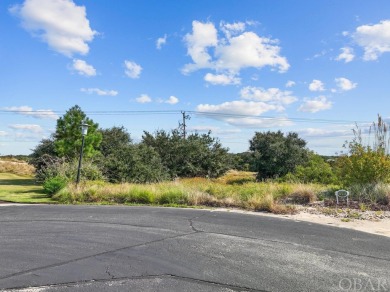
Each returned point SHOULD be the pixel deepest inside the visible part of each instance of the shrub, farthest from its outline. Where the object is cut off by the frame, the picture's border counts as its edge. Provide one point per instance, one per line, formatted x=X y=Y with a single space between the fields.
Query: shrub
x=233 y=177
x=261 y=203
x=366 y=163
x=140 y=196
x=68 y=170
x=173 y=196
x=371 y=193
x=54 y=184
x=316 y=170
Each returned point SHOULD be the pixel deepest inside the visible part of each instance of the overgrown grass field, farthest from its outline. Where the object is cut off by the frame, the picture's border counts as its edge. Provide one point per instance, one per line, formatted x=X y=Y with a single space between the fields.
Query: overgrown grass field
x=232 y=190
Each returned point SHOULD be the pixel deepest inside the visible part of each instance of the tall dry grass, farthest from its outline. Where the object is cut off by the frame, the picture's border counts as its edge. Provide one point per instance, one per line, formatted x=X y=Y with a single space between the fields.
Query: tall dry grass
x=264 y=196
x=16 y=167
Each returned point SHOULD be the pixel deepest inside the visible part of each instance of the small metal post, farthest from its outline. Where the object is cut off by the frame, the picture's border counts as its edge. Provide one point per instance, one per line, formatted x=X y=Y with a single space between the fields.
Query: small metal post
x=84 y=130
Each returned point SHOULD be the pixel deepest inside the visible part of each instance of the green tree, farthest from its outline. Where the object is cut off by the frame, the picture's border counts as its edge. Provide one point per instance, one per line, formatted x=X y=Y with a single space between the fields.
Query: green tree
x=113 y=140
x=68 y=135
x=276 y=154
x=45 y=148
x=122 y=161
x=198 y=155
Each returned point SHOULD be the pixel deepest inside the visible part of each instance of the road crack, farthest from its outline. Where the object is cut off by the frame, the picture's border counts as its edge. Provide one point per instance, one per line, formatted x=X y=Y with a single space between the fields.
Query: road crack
x=93 y=255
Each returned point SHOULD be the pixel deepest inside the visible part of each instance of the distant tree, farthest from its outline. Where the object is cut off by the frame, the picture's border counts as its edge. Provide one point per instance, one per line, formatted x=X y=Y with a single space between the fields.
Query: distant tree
x=197 y=155
x=244 y=161
x=276 y=154
x=68 y=137
x=43 y=155
x=114 y=139
x=122 y=161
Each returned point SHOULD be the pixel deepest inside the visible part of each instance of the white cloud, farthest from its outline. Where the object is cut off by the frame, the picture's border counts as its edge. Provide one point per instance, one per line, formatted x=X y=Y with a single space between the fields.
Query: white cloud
x=221 y=79
x=99 y=91
x=345 y=84
x=144 y=98
x=60 y=23
x=320 y=132
x=227 y=56
x=237 y=107
x=133 y=70
x=3 y=133
x=28 y=111
x=346 y=55
x=27 y=127
x=271 y=95
x=249 y=50
x=315 y=105
x=290 y=83
x=83 y=68
x=172 y=100
x=242 y=113
x=231 y=29
x=374 y=39
x=204 y=35
x=161 y=41
x=259 y=122
x=316 y=85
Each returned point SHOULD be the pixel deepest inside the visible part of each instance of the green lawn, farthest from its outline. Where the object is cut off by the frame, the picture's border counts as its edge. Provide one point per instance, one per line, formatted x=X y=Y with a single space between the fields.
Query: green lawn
x=21 y=189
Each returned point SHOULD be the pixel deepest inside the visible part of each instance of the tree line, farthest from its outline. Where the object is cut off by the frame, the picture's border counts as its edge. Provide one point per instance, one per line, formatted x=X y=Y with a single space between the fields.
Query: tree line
x=112 y=155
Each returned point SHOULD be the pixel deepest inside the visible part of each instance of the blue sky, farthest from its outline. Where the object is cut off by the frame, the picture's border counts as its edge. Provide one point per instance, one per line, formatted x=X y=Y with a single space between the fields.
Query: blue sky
x=236 y=67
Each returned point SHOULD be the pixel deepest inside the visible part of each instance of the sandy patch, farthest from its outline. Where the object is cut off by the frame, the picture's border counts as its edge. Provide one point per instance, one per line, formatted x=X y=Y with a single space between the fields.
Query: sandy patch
x=378 y=226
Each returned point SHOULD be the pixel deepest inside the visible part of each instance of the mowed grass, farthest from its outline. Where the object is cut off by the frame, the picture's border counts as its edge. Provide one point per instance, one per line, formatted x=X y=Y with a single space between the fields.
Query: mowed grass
x=21 y=189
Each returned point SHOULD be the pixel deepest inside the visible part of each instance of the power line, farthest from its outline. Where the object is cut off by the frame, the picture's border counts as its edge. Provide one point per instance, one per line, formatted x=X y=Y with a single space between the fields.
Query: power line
x=173 y=112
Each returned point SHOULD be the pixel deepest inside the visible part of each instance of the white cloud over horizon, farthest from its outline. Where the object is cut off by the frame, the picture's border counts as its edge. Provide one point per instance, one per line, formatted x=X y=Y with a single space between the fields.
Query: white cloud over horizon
x=315 y=105
x=246 y=112
x=28 y=111
x=133 y=70
x=27 y=127
x=274 y=96
x=83 y=68
x=60 y=23
x=321 y=132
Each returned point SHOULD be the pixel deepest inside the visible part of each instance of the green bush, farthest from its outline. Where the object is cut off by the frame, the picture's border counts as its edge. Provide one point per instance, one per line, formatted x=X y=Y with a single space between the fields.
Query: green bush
x=316 y=170
x=141 y=196
x=173 y=196
x=54 y=184
x=366 y=163
x=68 y=170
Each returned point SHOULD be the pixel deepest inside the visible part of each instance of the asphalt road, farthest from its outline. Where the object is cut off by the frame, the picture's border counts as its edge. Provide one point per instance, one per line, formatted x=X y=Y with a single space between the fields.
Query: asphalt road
x=110 y=248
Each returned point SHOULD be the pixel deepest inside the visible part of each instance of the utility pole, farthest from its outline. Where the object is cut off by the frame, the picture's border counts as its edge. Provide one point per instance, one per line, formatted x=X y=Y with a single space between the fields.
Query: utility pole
x=183 y=124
